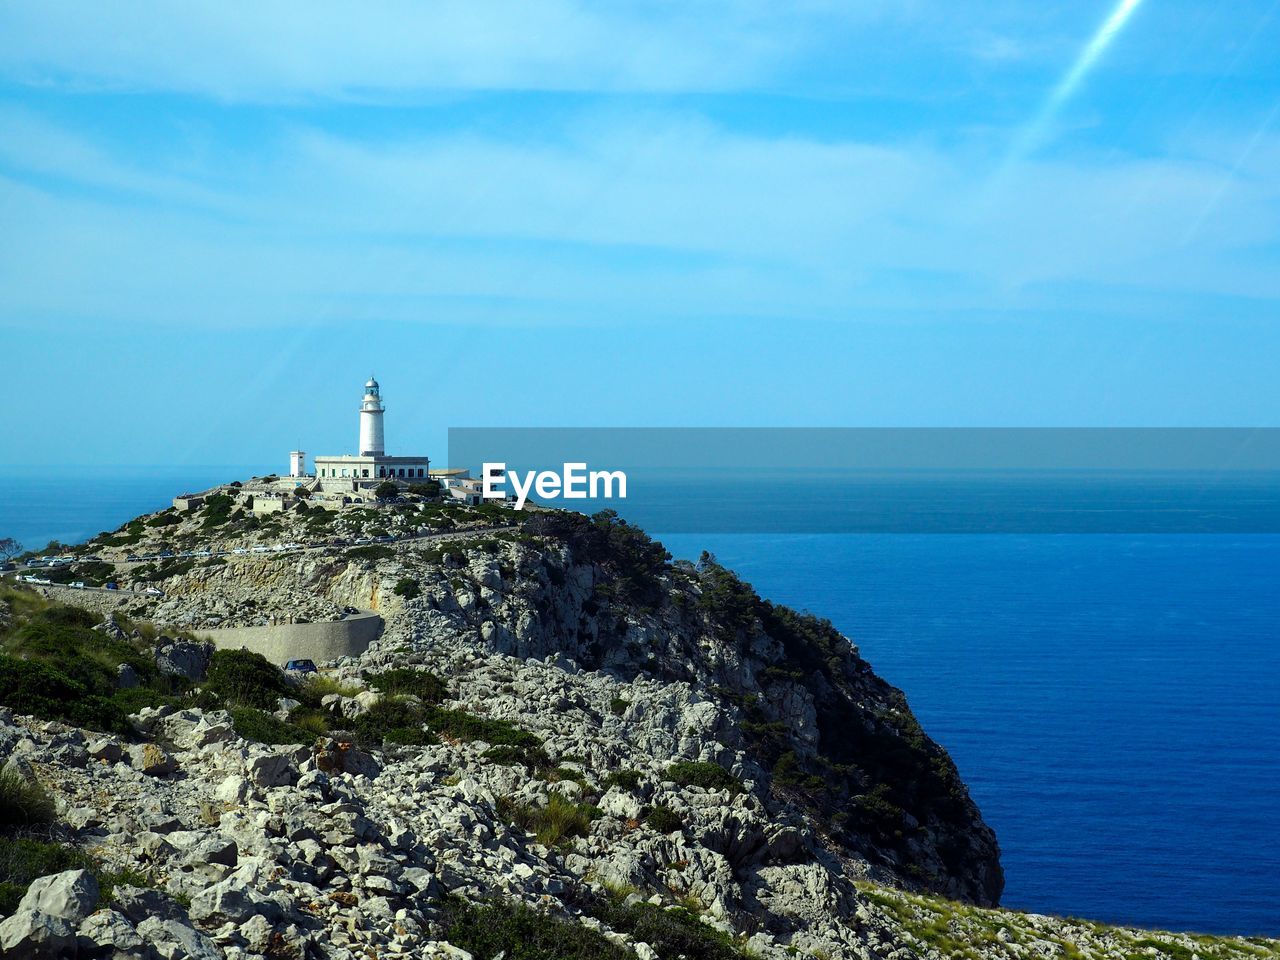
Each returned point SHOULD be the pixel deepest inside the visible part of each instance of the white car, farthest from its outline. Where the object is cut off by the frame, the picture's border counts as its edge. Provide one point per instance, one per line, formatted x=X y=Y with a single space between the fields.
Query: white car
x=153 y=592
x=77 y=584
x=240 y=550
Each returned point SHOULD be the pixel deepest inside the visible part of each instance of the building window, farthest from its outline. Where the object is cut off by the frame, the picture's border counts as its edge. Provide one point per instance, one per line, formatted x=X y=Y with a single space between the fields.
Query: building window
x=419 y=471
x=382 y=471
x=364 y=473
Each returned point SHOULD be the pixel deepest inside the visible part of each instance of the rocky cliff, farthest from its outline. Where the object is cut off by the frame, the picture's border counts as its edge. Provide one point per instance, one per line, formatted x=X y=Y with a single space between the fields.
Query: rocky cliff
x=564 y=745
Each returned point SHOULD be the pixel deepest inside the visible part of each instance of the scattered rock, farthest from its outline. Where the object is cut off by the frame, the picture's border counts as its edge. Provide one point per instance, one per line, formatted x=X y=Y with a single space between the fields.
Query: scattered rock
x=70 y=895
x=150 y=759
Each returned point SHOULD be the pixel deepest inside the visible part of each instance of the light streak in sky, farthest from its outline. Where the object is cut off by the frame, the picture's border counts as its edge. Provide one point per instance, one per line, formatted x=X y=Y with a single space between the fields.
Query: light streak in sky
x=1030 y=135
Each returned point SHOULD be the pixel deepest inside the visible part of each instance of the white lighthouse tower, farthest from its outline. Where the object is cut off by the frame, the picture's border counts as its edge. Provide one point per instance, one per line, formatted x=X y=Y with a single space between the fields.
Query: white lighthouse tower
x=371 y=443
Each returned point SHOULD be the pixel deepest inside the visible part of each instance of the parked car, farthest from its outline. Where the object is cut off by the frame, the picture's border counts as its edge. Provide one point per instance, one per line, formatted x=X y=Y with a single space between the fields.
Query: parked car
x=300 y=666
x=153 y=592
x=132 y=558
x=77 y=584
x=111 y=586
x=349 y=611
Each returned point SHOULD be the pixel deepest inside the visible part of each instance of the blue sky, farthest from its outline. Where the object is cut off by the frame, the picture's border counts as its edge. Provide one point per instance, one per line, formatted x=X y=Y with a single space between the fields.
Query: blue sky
x=214 y=224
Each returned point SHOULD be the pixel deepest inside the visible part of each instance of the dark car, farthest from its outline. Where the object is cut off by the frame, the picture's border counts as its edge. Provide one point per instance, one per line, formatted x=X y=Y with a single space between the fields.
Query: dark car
x=349 y=611
x=111 y=586
x=300 y=666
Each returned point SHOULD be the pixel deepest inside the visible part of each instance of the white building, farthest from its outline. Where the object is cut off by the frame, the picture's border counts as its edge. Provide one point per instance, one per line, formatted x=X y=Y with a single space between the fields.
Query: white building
x=371 y=465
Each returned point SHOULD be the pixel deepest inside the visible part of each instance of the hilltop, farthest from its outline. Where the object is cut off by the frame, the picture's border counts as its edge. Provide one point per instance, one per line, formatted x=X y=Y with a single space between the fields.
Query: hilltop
x=563 y=744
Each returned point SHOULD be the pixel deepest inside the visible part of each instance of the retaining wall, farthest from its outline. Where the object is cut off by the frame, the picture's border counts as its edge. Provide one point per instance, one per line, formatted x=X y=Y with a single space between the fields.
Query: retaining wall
x=301 y=641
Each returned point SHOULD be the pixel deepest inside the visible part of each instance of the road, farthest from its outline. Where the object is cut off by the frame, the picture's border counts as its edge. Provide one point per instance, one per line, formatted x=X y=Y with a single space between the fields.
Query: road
x=277 y=551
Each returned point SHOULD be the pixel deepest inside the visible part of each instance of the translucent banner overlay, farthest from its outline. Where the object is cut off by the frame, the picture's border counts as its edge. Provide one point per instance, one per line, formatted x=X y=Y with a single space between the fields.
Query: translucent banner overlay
x=910 y=480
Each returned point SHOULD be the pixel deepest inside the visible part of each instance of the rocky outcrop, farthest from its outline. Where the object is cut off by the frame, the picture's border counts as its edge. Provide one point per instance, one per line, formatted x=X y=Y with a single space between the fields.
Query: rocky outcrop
x=664 y=741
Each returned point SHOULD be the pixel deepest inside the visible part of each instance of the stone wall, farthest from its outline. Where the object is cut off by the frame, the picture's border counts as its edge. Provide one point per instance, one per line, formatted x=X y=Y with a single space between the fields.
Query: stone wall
x=301 y=641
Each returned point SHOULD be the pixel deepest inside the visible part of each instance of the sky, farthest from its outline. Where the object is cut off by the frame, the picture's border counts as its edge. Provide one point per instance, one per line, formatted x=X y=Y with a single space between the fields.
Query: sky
x=216 y=220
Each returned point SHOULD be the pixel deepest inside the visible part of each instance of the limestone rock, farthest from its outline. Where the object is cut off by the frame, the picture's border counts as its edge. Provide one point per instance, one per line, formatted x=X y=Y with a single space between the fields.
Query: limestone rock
x=30 y=935
x=70 y=895
x=150 y=759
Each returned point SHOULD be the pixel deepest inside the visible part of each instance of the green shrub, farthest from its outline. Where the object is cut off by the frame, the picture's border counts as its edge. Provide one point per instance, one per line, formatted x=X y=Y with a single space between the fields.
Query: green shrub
x=423 y=684
x=309 y=720
x=553 y=824
x=460 y=725
x=663 y=819
x=374 y=551
x=216 y=511
x=22 y=804
x=393 y=719
x=406 y=587
x=671 y=931
x=626 y=779
x=32 y=687
x=709 y=776
x=517 y=932
x=254 y=724
x=241 y=678
x=618 y=706
x=534 y=758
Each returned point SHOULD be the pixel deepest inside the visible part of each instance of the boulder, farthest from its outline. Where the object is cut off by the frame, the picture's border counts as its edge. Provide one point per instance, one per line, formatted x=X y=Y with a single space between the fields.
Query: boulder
x=126 y=677
x=70 y=896
x=184 y=658
x=334 y=757
x=139 y=903
x=233 y=791
x=110 y=932
x=150 y=759
x=271 y=770
x=175 y=939
x=31 y=935
x=105 y=749
x=231 y=901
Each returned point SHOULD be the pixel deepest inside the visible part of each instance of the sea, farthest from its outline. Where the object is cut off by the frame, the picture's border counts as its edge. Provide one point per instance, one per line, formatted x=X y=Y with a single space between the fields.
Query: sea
x=1111 y=698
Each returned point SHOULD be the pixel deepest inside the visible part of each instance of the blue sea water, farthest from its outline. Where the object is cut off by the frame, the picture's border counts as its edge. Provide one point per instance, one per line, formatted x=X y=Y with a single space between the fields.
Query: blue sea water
x=1110 y=698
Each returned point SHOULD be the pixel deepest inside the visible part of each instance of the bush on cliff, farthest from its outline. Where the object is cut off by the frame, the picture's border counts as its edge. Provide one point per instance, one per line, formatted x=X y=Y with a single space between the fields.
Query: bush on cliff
x=634 y=562
x=552 y=824
x=671 y=931
x=518 y=932
x=423 y=684
x=407 y=587
x=709 y=776
x=254 y=724
x=393 y=719
x=242 y=678
x=22 y=803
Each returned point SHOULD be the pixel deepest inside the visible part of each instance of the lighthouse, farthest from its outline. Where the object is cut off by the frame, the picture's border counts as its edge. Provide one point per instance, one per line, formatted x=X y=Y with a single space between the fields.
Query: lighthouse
x=371 y=466
x=371 y=409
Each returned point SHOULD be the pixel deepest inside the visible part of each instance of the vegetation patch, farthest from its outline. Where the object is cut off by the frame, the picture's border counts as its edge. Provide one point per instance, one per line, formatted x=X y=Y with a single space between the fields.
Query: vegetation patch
x=709 y=776
x=672 y=931
x=461 y=725
x=423 y=684
x=663 y=819
x=242 y=678
x=554 y=824
x=624 y=779
x=373 y=551
x=407 y=587
x=517 y=932
x=24 y=859
x=393 y=719
x=254 y=724
x=216 y=511
x=22 y=803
